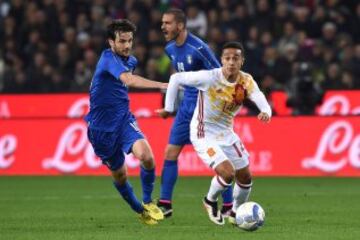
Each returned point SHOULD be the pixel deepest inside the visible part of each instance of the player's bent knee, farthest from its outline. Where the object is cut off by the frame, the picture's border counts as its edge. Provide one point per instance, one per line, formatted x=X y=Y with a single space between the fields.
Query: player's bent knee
x=147 y=160
x=119 y=176
x=172 y=152
x=245 y=181
x=243 y=176
x=226 y=171
x=228 y=176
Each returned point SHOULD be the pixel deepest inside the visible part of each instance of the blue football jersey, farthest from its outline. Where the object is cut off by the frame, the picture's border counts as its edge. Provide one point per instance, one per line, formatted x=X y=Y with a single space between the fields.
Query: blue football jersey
x=109 y=100
x=193 y=55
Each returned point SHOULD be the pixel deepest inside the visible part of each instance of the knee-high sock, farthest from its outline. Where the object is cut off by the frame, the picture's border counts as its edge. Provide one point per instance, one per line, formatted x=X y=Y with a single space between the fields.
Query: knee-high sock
x=127 y=193
x=227 y=196
x=168 y=179
x=147 y=177
x=217 y=186
x=241 y=194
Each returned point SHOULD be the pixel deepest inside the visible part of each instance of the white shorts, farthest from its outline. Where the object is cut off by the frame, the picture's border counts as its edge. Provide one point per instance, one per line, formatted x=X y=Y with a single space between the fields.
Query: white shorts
x=213 y=153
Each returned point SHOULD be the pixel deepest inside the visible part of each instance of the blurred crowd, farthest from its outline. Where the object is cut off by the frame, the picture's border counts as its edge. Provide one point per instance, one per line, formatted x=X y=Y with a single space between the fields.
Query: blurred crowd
x=298 y=46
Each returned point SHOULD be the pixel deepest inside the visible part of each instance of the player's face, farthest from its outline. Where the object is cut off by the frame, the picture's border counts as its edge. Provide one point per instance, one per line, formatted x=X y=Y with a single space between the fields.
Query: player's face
x=122 y=44
x=170 y=27
x=232 y=60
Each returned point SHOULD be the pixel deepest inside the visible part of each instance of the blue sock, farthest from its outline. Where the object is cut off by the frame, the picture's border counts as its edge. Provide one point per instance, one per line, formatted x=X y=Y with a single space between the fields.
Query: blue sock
x=227 y=196
x=168 y=179
x=147 y=183
x=127 y=193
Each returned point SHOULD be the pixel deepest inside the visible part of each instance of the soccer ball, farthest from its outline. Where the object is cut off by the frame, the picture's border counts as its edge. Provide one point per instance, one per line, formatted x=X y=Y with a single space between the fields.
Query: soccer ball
x=250 y=216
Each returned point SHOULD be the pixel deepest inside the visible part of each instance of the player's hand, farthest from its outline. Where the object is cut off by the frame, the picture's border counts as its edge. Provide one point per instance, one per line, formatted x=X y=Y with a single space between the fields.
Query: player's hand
x=163 y=86
x=162 y=113
x=264 y=117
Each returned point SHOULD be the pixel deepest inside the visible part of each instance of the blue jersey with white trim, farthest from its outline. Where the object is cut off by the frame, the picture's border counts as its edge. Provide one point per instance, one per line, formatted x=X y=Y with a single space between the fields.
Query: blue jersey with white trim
x=109 y=100
x=193 y=55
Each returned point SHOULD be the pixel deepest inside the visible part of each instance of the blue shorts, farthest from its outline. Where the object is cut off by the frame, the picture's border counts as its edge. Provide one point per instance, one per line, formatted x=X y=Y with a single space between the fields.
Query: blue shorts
x=111 y=146
x=180 y=130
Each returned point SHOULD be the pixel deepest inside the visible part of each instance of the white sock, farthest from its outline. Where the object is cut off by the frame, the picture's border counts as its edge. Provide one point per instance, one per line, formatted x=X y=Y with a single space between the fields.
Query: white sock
x=241 y=194
x=216 y=187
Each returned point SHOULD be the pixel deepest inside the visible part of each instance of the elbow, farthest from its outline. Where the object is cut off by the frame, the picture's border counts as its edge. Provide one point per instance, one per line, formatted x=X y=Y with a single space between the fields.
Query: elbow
x=127 y=79
x=130 y=83
x=174 y=77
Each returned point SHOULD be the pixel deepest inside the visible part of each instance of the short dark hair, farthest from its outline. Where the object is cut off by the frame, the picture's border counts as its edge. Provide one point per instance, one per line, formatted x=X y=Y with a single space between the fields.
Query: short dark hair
x=120 y=25
x=179 y=15
x=234 y=44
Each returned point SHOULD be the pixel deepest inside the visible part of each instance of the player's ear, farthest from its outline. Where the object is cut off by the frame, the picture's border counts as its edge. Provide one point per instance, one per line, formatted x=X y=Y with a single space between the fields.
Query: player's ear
x=111 y=42
x=181 y=26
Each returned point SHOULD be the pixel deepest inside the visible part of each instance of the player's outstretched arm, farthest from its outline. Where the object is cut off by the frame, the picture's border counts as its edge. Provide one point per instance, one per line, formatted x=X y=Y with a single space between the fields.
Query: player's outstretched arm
x=262 y=104
x=260 y=101
x=199 y=79
x=136 y=81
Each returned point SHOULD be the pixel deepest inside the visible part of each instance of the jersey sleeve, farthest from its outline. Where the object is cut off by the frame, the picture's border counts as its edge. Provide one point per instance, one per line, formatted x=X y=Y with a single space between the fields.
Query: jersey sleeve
x=255 y=95
x=208 y=58
x=199 y=79
x=115 y=67
x=167 y=52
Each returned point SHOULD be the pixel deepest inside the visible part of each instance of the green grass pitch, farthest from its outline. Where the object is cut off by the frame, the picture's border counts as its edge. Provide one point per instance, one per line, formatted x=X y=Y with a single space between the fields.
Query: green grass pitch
x=89 y=208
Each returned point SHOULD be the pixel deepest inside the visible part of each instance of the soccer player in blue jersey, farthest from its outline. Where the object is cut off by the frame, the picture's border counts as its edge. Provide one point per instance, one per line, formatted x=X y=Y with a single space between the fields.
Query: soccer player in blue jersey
x=112 y=128
x=187 y=53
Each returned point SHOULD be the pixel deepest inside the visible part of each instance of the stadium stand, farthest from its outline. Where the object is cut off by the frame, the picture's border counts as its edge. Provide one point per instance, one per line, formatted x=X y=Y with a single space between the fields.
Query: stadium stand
x=51 y=46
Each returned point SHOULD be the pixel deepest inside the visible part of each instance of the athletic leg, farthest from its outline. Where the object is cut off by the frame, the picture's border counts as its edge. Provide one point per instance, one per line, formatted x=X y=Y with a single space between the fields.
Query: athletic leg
x=223 y=180
x=242 y=187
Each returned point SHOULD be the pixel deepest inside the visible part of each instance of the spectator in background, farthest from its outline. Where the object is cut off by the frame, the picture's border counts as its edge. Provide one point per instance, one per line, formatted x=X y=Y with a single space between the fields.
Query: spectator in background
x=289 y=36
x=253 y=52
x=240 y=21
x=15 y=80
x=151 y=70
x=318 y=19
x=2 y=70
x=304 y=94
x=347 y=80
x=302 y=21
x=329 y=30
x=213 y=18
x=57 y=82
x=355 y=23
x=17 y=84
x=282 y=17
x=263 y=18
x=141 y=53
x=37 y=80
x=333 y=77
x=196 y=21
x=83 y=72
x=162 y=62
x=70 y=41
x=64 y=63
x=324 y=32
x=356 y=65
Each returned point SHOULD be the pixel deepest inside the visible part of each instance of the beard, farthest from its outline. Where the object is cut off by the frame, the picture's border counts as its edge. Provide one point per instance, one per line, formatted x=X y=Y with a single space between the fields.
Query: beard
x=175 y=35
x=123 y=52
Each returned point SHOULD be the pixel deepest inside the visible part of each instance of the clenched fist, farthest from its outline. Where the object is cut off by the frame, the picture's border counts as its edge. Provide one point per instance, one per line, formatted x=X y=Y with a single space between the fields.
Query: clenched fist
x=264 y=117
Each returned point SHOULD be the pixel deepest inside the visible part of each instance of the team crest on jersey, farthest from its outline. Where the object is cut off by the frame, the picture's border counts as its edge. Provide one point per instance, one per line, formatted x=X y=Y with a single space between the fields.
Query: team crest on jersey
x=239 y=94
x=211 y=152
x=189 y=59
